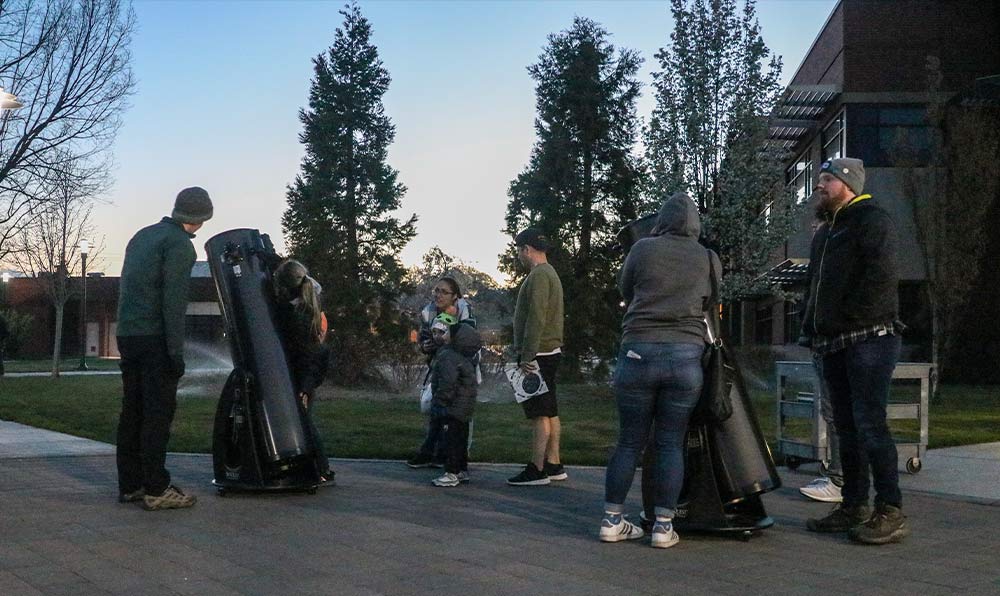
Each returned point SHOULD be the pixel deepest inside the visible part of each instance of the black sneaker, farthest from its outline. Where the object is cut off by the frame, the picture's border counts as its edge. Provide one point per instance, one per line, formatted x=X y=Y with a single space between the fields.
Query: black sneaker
x=530 y=476
x=888 y=524
x=555 y=471
x=420 y=461
x=132 y=497
x=840 y=519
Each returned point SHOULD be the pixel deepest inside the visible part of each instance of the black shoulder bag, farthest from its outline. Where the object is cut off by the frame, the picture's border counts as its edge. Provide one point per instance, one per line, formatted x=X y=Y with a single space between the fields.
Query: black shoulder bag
x=715 y=405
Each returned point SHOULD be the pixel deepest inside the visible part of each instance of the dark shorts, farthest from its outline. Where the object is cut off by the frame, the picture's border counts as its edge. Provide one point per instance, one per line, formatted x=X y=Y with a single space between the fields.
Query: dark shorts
x=544 y=404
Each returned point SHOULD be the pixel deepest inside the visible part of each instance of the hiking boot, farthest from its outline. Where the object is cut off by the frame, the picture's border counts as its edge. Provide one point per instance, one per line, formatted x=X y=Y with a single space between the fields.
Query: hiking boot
x=822 y=489
x=615 y=528
x=420 y=461
x=663 y=534
x=463 y=476
x=555 y=471
x=840 y=519
x=888 y=524
x=530 y=476
x=172 y=498
x=446 y=479
x=132 y=497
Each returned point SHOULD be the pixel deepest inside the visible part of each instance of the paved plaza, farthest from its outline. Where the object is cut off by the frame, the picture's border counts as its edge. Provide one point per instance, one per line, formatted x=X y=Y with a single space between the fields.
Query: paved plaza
x=385 y=530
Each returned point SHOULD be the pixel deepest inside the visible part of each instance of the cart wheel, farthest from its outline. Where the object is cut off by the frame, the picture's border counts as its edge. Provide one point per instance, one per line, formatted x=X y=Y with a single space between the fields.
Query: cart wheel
x=746 y=535
x=792 y=462
x=221 y=491
x=913 y=465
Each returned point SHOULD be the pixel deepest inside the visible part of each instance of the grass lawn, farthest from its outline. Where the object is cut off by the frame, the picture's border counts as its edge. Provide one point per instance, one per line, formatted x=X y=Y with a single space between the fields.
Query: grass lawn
x=65 y=364
x=369 y=424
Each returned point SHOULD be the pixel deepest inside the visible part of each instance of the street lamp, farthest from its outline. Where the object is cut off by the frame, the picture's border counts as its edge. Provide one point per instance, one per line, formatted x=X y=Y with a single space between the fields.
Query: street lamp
x=8 y=101
x=84 y=247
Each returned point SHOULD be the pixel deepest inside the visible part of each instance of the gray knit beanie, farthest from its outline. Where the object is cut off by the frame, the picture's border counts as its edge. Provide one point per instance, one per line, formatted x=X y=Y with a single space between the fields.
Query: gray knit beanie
x=850 y=171
x=193 y=206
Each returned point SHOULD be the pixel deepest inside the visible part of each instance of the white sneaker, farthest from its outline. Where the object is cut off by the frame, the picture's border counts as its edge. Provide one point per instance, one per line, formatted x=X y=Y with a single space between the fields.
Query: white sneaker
x=822 y=489
x=615 y=528
x=446 y=479
x=663 y=535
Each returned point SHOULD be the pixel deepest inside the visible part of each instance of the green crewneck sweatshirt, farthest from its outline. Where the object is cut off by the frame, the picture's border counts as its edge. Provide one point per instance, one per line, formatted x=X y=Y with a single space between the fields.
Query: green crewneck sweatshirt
x=538 y=316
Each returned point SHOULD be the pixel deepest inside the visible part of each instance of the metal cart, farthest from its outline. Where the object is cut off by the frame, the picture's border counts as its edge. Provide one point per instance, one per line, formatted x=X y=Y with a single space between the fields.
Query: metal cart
x=804 y=405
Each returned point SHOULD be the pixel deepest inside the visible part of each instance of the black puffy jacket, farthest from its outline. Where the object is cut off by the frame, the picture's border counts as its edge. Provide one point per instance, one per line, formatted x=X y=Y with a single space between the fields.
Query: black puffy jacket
x=853 y=271
x=453 y=374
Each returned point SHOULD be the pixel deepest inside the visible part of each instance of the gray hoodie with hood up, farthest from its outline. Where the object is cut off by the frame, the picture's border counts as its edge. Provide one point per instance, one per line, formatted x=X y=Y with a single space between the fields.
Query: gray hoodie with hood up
x=665 y=279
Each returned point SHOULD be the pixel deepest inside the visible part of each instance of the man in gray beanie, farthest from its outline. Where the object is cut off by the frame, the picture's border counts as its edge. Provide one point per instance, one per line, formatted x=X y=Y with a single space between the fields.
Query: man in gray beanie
x=851 y=321
x=151 y=308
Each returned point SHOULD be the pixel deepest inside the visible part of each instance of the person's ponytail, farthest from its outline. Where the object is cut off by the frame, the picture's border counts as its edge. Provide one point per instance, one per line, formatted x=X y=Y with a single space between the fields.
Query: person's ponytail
x=310 y=303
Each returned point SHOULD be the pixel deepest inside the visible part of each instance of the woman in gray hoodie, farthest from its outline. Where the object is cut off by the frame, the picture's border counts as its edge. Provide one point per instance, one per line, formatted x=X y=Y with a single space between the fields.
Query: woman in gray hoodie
x=658 y=379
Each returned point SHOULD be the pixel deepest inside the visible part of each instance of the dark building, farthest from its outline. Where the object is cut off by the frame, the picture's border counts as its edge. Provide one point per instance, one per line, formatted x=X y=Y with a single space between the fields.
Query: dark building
x=27 y=296
x=864 y=90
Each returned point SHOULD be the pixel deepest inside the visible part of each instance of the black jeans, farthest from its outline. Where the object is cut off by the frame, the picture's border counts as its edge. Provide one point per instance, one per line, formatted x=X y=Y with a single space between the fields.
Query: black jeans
x=148 y=406
x=456 y=445
x=858 y=379
x=321 y=461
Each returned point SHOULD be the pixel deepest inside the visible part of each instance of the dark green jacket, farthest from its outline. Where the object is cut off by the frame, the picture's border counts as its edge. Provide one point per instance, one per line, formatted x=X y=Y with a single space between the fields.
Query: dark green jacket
x=538 y=314
x=154 y=283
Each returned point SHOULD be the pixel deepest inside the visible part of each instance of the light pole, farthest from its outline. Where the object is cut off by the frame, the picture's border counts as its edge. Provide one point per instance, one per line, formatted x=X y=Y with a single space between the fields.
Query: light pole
x=84 y=249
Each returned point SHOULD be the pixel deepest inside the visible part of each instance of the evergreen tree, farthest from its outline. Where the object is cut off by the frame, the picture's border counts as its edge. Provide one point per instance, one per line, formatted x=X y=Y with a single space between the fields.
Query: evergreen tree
x=338 y=220
x=582 y=181
x=708 y=136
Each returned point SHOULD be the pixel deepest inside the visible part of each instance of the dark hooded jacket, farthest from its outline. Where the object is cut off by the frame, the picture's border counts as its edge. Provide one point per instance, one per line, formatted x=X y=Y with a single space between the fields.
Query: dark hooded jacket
x=453 y=374
x=853 y=272
x=665 y=279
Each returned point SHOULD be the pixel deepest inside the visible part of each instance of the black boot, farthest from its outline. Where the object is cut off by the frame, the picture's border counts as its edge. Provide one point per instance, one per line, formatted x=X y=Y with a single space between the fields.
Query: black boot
x=840 y=519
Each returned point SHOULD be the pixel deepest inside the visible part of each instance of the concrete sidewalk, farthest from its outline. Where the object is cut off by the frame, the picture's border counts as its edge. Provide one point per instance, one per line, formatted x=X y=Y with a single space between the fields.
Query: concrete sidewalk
x=385 y=530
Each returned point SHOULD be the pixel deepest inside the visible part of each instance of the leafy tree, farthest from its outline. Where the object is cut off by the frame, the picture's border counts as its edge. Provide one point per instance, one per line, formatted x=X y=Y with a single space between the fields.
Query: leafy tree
x=338 y=219
x=69 y=63
x=582 y=182
x=708 y=136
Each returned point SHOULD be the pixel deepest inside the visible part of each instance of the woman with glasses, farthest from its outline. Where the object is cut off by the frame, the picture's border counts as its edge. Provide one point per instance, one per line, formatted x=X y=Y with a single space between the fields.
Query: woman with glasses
x=446 y=297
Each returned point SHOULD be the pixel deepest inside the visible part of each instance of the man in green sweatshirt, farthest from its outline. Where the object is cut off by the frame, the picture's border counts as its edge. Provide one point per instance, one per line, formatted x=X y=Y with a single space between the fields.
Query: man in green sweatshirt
x=537 y=345
x=151 y=309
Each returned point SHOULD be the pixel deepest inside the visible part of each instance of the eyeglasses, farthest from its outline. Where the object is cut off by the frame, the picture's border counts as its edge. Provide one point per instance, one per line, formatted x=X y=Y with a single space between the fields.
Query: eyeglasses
x=441 y=291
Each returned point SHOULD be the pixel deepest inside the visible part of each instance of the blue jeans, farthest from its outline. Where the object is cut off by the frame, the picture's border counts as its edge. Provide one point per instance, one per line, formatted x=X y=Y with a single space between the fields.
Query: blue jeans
x=658 y=390
x=858 y=379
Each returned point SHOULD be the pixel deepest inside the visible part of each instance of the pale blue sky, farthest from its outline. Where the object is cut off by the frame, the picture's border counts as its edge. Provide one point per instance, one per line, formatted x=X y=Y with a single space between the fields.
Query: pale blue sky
x=220 y=85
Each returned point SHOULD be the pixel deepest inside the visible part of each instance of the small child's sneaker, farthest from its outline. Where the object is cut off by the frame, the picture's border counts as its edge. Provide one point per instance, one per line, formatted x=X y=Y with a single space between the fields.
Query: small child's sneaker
x=615 y=528
x=663 y=534
x=446 y=479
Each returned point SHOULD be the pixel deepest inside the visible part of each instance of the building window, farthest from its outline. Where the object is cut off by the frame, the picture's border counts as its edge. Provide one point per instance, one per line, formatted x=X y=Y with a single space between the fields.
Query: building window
x=890 y=136
x=835 y=138
x=798 y=179
x=793 y=321
x=763 y=327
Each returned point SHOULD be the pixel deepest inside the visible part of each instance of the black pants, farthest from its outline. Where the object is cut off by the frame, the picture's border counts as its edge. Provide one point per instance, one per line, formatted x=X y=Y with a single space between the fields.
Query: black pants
x=148 y=406
x=433 y=446
x=456 y=445
x=320 y=459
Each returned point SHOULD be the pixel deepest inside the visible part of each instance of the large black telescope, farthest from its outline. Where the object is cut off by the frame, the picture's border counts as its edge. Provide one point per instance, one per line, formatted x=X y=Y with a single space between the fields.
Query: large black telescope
x=728 y=464
x=259 y=441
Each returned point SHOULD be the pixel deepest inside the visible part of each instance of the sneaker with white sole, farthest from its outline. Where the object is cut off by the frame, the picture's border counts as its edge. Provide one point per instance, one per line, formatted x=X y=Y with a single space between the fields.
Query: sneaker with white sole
x=663 y=534
x=615 y=528
x=446 y=479
x=555 y=471
x=822 y=489
x=172 y=498
x=530 y=476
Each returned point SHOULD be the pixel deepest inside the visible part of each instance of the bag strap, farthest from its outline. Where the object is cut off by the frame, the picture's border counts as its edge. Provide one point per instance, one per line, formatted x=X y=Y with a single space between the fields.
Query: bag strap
x=711 y=310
